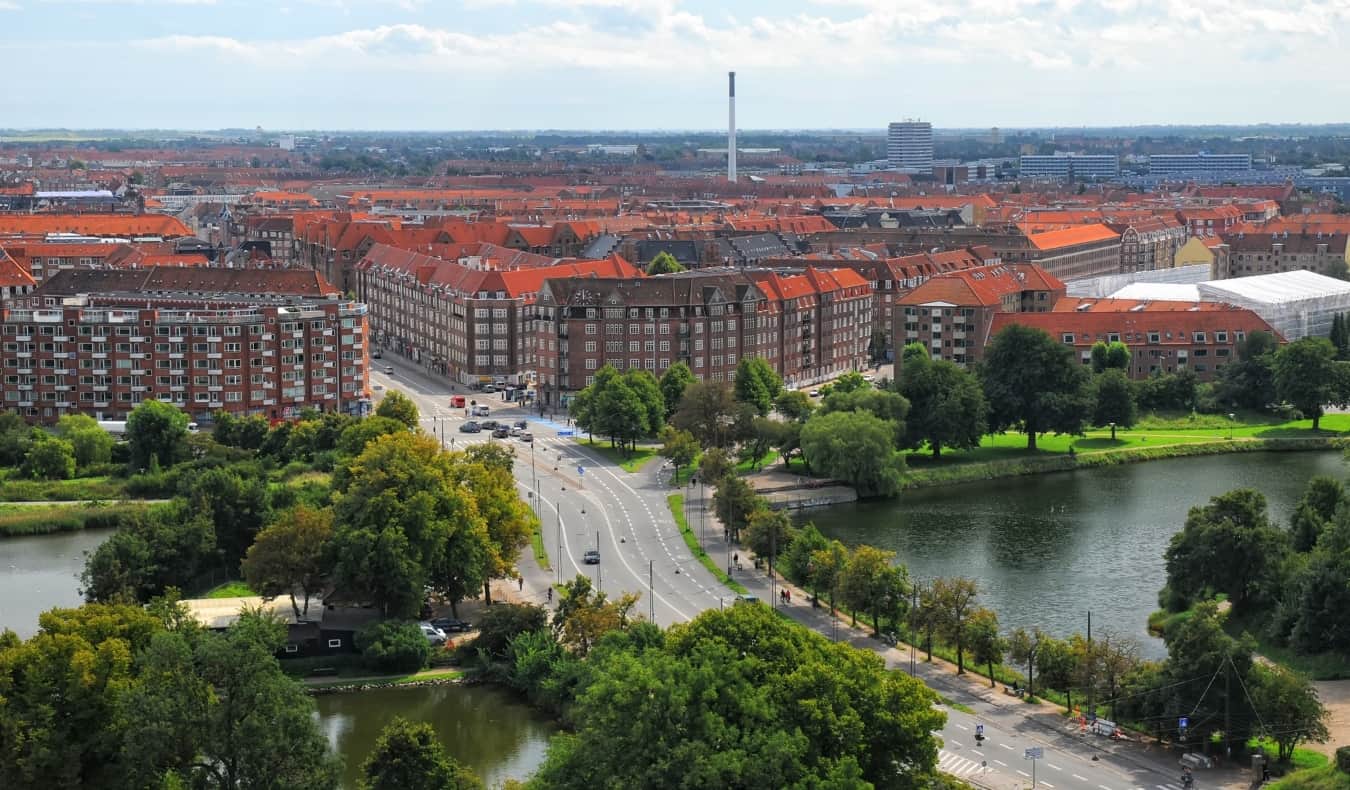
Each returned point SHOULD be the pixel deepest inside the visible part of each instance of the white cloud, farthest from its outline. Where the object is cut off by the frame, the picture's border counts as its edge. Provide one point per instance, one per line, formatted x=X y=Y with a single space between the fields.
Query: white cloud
x=6 y=5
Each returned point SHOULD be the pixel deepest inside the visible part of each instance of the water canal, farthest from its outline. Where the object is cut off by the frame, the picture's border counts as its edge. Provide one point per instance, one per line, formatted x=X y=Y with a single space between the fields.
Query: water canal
x=1046 y=549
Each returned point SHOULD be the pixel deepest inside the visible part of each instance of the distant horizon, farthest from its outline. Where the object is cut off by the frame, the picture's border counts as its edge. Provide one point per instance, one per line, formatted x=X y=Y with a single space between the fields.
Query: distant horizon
x=661 y=64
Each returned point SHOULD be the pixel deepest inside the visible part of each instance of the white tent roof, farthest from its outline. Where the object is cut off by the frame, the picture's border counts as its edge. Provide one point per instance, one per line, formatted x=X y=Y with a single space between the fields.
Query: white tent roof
x=1295 y=286
x=1159 y=292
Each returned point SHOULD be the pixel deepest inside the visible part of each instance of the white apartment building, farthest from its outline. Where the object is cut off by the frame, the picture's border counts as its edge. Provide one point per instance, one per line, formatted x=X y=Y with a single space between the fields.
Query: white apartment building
x=909 y=145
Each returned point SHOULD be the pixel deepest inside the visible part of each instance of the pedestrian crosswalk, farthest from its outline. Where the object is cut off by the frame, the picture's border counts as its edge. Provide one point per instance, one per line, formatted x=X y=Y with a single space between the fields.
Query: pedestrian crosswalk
x=958 y=766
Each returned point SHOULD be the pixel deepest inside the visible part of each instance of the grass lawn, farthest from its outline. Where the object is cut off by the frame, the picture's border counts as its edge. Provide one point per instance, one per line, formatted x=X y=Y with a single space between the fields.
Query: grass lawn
x=235 y=589
x=1324 y=778
x=387 y=680
x=676 y=502
x=629 y=461
x=76 y=489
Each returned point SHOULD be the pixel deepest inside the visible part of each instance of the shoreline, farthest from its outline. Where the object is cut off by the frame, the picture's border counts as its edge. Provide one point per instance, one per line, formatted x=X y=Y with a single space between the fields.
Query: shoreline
x=994 y=470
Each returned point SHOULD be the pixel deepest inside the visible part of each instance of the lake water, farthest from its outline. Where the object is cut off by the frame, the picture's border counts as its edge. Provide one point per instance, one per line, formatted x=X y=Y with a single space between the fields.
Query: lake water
x=485 y=729
x=1047 y=549
x=41 y=572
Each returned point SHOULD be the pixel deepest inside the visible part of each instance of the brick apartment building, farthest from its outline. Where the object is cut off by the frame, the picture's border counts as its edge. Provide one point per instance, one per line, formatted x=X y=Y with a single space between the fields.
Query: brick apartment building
x=464 y=319
x=245 y=341
x=1148 y=243
x=1163 y=336
x=953 y=314
x=809 y=326
x=1266 y=253
x=1075 y=252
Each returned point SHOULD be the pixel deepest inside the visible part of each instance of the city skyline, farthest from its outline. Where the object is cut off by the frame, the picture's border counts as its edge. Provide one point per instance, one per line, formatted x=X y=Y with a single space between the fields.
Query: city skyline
x=660 y=64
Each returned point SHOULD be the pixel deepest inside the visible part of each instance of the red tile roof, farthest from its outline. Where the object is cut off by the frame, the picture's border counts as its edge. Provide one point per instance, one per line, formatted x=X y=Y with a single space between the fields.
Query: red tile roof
x=12 y=275
x=1073 y=237
x=116 y=225
x=1174 y=327
x=985 y=286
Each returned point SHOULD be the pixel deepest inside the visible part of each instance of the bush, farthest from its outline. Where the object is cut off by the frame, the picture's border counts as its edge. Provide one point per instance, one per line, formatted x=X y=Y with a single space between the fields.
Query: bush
x=1343 y=759
x=393 y=646
x=503 y=622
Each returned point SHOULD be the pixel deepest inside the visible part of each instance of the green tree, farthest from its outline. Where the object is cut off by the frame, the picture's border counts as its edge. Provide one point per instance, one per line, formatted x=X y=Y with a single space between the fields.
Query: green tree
x=873 y=584
x=680 y=447
x=92 y=444
x=856 y=447
x=238 y=504
x=1033 y=383
x=796 y=558
x=768 y=533
x=757 y=383
x=987 y=646
x=407 y=756
x=256 y=701
x=16 y=436
x=393 y=646
x=1024 y=647
x=359 y=434
x=673 y=383
x=156 y=431
x=734 y=502
x=794 y=405
x=765 y=434
x=776 y=706
x=1340 y=336
x=1306 y=376
x=707 y=410
x=1113 y=401
x=947 y=407
x=1168 y=392
x=49 y=458
x=397 y=406
x=403 y=522
x=851 y=381
x=1291 y=701
x=955 y=601
x=1321 y=498
x=162 y=546
x=1249 y=382
x=653 y=400
x=715 y=465
x=883 y=404
x=828 y=566
x=585 y=614
x=487 y=471
x=288 y=556
x=1115 y=356
x=1227 y=546
x=664 y=263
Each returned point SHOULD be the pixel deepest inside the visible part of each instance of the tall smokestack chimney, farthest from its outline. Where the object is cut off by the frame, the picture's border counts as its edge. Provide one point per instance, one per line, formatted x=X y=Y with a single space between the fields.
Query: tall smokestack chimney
x=731 y=126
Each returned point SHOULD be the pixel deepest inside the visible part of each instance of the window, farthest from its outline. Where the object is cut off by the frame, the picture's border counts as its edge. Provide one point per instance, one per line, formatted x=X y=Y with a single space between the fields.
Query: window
x=1068 y=338
x=335 y=643
x=292 y=648
x=1153 y=337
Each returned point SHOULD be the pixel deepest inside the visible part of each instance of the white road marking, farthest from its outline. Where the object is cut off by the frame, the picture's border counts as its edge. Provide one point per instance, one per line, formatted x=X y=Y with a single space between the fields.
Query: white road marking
x=1000 y=762
x=1024 y=773
x=961 y=726
x=1103 y=787
x=1079 y=778
x=1056 y=767
x=1006 y=746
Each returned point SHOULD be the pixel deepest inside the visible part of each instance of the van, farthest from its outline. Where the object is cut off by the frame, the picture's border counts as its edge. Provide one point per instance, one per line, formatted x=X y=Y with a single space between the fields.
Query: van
x=481 y=410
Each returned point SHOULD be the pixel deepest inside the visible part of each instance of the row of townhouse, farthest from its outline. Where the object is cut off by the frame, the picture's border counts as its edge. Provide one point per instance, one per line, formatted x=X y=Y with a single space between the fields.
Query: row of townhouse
x=243 y=341
x=465 y=319
x=810 y=326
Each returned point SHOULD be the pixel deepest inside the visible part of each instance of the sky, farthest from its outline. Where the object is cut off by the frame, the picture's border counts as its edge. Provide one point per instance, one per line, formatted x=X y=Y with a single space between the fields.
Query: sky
x=661 y=64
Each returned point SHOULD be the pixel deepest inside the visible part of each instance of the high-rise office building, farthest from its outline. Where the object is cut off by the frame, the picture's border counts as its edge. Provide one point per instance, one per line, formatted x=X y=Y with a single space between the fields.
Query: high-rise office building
x=909 y=145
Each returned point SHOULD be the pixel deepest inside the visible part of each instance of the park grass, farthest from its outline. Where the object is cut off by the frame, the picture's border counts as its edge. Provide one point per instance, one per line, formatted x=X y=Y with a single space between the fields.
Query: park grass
x=1326 y=777
x=79 y=489
x=537 y=546
x=746 y=466
x=1317 y=666
x=20 y=520
x=676 y=503
x=630 y=461
x=231 y=589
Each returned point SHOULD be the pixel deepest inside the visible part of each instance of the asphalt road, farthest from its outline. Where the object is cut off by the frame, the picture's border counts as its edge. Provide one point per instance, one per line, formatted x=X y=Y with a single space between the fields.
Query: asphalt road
x=586 y=502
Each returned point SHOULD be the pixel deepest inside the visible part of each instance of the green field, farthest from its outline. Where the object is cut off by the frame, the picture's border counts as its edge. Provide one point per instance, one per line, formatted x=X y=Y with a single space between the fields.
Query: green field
x=235 y=589
x=1324 y=778
x=630 y=461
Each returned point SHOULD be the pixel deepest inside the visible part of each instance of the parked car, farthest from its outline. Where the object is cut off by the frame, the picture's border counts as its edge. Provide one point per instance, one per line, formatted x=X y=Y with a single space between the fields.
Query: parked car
x=815 y=393
x=501 y=432
x=451 y=625
x=488 y=425
x=591 y=557
x=376 y=354
x=388 y=370
x=470 y=427
x=481 y=410
x=521 y=424
x=433 y=634
x=746 y=598
x=526 y=437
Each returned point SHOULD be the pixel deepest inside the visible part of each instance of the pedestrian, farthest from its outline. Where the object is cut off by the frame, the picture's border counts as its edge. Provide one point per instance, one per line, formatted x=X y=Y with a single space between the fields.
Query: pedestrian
x=521 y=580
x=736 y=558
x=789 y=594
x=550 y=595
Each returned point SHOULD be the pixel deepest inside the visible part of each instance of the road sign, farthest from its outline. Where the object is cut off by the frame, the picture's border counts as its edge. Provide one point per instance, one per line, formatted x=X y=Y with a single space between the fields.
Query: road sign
x=581 y=470
x=1033 y=753
x=1183 y=723
x=979 y=729
x=567 y=432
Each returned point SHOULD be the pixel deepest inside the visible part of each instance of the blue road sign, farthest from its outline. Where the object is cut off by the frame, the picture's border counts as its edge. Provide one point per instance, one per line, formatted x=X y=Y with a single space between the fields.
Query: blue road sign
x=581 y=470
x=1183 y=722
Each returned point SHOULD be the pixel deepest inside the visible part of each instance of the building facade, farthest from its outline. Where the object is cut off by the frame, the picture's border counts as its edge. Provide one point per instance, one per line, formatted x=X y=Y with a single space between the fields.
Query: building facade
x=952 y=315
x=1268 y=253
x=103 y=345
x=1069 y=166
x=909 y=145
x=1198 y=164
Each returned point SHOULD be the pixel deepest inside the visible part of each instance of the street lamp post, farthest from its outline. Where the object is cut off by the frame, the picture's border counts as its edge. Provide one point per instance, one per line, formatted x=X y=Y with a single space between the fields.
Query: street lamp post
x=1113 y=431
x=1232 y=418
x=558 y=544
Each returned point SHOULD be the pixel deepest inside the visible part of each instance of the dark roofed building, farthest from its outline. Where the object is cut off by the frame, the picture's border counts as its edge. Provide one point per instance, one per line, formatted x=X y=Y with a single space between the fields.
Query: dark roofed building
x=203 y=283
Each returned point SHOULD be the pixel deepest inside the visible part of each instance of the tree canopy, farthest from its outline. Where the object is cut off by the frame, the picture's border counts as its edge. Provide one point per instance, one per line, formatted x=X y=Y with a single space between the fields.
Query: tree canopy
x=407 y=756
x=1307 y=376
x=1033 y=383
x=155 y=432
x=757 y=383
x=946 y=406
x=664 y=263
x=856 y=447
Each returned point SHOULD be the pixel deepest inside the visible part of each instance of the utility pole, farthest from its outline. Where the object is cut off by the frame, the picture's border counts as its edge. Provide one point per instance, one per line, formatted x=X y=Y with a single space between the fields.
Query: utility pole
x=1091 y=661
x=599 y=582
x=1227 y=710
x=559 y=542
x=651 y=591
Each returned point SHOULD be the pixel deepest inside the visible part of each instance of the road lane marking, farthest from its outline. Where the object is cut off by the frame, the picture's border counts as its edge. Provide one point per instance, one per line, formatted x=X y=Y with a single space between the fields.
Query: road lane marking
x=1103 y=787
x=1023 y=773
x=961 y=726
x=1056 y=767
x=1079 y=778
x=1006 y=746
x=1000 y=762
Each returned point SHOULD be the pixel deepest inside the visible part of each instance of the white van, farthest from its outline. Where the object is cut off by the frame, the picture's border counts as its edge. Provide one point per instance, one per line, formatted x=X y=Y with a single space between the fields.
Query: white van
x=481 y=410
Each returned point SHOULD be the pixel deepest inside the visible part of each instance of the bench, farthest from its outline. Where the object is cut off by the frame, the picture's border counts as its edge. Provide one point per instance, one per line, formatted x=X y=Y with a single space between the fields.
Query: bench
x=323 y=671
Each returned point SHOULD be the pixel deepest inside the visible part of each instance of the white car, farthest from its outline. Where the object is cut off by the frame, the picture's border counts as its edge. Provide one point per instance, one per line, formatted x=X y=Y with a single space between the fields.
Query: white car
x=434 y=635
x=815 y=393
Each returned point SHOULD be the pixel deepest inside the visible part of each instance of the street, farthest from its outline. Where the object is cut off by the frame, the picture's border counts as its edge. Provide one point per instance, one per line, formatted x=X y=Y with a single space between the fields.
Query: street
x=586 y=502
